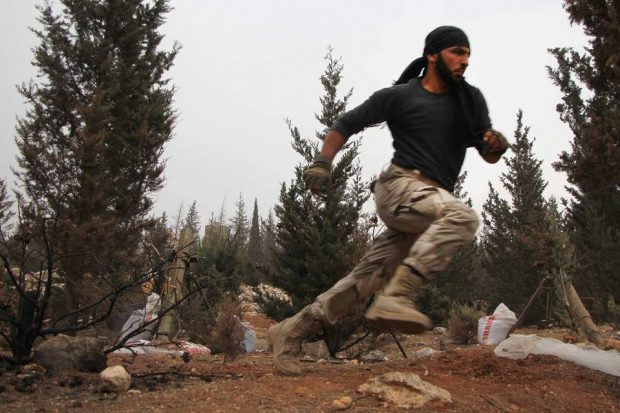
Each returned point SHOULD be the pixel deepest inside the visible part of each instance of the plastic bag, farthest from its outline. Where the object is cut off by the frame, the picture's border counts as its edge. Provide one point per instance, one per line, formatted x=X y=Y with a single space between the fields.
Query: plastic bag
x=494 y=329
x=519 y=346
x=249 y=337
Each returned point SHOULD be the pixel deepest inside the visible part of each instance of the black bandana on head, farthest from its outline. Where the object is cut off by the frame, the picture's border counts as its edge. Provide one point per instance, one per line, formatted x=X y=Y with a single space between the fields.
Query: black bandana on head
x=437 y=40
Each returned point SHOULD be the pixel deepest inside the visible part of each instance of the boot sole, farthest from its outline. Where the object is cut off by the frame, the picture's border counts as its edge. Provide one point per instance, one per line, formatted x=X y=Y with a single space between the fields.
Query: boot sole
x=387 y=316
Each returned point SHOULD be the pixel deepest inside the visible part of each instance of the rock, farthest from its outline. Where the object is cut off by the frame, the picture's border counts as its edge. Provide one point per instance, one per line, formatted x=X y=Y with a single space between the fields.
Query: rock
x=612 y=344
x=424 y=352
x=439 y=330
x=75 y=404
x=133 y=392
x=342 y=403
x=26 y=379
x=115 y=379
x=33 y=368
x=374 y=356
x=65 y=353
x=405 y=390
x=317 y=349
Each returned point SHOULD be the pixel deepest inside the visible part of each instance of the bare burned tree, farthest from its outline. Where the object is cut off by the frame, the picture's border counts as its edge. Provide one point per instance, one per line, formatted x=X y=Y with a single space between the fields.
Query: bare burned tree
x=30 y=280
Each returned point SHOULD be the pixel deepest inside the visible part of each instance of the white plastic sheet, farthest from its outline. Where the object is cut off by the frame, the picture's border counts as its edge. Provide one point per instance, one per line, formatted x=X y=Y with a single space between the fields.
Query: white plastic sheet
x=519 y=346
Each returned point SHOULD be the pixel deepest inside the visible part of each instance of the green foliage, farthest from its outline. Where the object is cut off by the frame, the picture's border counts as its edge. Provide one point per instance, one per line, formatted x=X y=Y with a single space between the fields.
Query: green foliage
x=314 y=234
x=192 y=221
x=91 y=141
x=255 y=248
x=272 y=306
x=463 y=323
x=590 y=84
x=219 y=254
x=434 y=304
x=514 y=230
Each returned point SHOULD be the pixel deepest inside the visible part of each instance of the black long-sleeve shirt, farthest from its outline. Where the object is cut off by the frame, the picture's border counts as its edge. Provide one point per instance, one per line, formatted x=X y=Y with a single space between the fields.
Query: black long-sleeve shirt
x=429 y=130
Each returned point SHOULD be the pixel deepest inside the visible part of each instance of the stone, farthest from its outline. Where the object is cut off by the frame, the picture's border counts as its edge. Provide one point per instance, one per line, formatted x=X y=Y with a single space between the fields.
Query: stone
x=64 y=353
x=316 y=349
x=424 y=352
x=343 y=403
x=439 y=330
x=33 y=368
x=375 y=356
x=75 y=404
x=406 y=390
x=115 y=379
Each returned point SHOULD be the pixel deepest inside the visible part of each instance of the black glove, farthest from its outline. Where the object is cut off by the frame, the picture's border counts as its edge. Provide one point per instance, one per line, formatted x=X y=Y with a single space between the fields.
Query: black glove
x=318 y=174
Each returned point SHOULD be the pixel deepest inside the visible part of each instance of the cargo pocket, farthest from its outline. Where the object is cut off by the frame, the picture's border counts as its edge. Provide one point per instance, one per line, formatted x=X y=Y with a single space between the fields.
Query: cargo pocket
x=419 y=209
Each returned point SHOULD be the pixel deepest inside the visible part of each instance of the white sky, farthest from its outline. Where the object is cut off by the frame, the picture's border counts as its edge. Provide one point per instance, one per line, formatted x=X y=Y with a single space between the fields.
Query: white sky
x=247 y=65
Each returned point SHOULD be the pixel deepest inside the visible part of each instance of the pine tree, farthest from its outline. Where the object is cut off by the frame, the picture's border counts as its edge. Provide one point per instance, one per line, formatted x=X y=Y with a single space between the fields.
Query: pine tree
x=192 y=221
x=514 y=229
x=254 y=250
x=91 y=141
x=269 y=248
x=5 y=211
x=240 y=226
x=314 y=234
x=593 y=164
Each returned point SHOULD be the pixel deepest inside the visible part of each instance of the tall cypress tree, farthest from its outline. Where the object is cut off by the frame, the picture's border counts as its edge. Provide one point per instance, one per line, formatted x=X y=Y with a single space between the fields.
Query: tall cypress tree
x=255 y=248
x=91 y=141
x=314 y=234
x=593 y=164
x=513 y=228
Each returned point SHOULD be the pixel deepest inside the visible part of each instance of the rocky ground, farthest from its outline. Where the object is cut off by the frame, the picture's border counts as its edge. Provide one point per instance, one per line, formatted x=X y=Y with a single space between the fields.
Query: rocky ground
x=476 y=379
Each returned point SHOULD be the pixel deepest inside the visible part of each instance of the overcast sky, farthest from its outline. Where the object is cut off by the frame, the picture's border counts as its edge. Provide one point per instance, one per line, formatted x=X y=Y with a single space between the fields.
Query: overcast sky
x=247 y=65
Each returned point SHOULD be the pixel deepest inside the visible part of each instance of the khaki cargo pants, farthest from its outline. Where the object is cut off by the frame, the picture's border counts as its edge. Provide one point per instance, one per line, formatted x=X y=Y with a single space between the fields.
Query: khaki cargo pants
x=426 y=226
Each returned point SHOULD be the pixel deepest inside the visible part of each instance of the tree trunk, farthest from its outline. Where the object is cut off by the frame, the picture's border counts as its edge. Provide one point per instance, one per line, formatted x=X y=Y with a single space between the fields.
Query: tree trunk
x=581 y=316
x=173 y=290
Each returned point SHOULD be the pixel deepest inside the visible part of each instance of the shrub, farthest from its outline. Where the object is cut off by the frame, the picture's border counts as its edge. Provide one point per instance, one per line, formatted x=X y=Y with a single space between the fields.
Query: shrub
x=434 y=304
x=463 y=323
x=273 y=303
x=228 y=333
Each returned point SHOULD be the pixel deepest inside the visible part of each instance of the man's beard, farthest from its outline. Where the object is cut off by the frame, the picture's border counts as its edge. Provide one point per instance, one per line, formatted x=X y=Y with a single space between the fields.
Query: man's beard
x=444 y=72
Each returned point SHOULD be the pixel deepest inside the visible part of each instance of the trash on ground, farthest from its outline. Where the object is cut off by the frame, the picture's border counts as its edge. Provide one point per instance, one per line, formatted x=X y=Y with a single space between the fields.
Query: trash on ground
x=519 y=346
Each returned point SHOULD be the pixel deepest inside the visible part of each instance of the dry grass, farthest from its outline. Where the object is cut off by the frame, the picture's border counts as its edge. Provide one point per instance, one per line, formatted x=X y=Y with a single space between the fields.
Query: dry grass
x=463 y=323
x=228 y=333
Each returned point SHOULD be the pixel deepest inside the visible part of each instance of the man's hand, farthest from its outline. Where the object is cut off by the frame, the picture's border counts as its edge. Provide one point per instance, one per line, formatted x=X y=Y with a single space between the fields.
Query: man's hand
x=318 y=174
x=495 y=144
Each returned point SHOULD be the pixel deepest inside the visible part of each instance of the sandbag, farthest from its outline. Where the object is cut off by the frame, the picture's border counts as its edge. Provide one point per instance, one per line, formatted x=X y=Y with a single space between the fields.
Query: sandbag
x=494 y=329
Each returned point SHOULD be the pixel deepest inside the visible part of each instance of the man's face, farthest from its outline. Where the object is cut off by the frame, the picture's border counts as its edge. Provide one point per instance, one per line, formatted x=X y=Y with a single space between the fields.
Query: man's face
x=452 y=63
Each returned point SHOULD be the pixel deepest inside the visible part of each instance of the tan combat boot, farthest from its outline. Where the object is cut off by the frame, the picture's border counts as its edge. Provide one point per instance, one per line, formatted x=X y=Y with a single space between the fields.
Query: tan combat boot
x=395 y=309
x=286 y=337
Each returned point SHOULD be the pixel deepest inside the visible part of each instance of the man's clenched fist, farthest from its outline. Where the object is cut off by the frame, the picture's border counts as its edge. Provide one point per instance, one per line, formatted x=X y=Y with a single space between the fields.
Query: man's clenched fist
x=317 y=175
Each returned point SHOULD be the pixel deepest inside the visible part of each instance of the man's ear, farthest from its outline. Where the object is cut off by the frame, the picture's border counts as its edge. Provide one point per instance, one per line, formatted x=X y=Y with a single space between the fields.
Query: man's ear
x=432 y=57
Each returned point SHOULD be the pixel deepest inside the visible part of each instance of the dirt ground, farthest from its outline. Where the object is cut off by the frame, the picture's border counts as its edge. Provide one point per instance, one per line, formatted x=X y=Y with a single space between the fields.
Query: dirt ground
x=477 y=380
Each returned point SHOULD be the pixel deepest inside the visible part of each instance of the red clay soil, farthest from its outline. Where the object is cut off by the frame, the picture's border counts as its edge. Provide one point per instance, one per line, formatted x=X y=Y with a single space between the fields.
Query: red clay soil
x=477 y=379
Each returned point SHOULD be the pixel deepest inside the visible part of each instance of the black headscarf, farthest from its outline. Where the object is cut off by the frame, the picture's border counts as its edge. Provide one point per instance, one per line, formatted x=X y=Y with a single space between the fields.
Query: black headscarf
x=437 y=40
